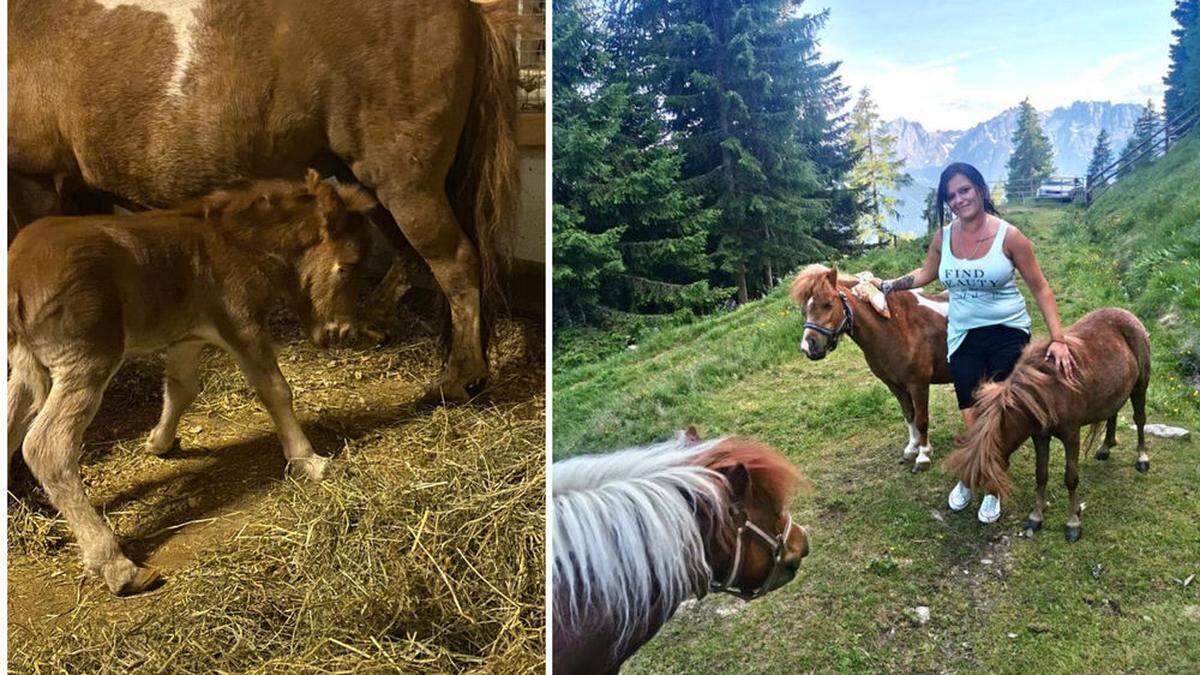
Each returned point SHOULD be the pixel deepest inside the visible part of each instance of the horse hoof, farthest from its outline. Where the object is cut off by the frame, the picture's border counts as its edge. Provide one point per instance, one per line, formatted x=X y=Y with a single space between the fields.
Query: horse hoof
x=442 y=394
x=159 y=452
x=1143 y=465
x=1032 y=525
x=131 y=579
x=1073 y=532
x=313 y=468
x=1102 y=455
x=920 y=467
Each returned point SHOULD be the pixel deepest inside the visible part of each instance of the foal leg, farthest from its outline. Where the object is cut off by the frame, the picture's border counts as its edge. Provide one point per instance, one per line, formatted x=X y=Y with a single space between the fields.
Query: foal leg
x=181 y=383
x=1138 y=397
x=1041 y=444
x=1074 y=526
x=52 y=451
x=906 y=406
x=256 y=358
x=28 y=386
x=1110 y=438
x=920 y=400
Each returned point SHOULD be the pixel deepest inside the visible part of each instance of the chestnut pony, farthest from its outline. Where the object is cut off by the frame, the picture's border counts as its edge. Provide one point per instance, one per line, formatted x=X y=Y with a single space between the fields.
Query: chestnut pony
x=639 y=531
x=907 y=352
x=85 y=292
x=1112 y=356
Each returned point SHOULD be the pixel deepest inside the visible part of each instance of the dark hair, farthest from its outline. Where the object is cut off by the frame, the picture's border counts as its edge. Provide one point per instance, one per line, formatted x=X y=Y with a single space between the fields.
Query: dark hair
x=970 y=173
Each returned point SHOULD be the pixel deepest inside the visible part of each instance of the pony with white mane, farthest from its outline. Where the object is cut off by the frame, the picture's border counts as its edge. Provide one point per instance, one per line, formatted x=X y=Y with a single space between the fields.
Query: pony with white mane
x=638 y=531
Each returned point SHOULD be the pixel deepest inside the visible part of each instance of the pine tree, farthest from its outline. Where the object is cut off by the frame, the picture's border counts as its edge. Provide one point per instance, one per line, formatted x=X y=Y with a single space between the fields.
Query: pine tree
x=1141 y=139
x=929 y=214
x=1032 y=159
x=877 y=173
x=740 y=80
x=627 y=236
x=1101 y=154
x=1183 y=74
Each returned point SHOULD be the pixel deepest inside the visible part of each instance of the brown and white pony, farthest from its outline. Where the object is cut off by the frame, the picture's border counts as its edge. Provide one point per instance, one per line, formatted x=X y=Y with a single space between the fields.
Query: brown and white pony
x=637 y=532
x=1112 y=360
x=155 y=102
x=85 y=292
x=907 y=351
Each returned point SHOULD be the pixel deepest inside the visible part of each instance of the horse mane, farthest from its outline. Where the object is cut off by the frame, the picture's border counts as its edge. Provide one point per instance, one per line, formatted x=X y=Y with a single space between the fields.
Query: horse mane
x=807 y=279
x=978 y=458
x=628 y=544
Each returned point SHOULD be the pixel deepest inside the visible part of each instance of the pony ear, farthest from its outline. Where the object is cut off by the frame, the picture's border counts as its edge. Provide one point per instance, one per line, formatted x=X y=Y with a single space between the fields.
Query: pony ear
x=690 y=435
x=832 y=276
x=312 y=180
x=739 y=481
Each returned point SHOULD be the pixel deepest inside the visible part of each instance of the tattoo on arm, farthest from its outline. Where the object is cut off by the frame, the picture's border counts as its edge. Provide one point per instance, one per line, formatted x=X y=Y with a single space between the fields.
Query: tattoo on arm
x=902 y=284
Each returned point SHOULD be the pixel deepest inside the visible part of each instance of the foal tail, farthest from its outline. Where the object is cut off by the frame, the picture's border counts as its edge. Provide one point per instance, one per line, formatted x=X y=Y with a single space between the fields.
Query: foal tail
x=482 y=182
x=28 y=386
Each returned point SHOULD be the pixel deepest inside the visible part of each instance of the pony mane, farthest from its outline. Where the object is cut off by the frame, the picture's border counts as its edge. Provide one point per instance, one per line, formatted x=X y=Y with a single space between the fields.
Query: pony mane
x=807 y=279
x=627 y=545
x=978 y=458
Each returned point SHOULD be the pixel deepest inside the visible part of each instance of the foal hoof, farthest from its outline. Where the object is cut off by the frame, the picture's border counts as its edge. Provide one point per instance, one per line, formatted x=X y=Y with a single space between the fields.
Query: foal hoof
x=1102 y=454
x=1032 y=525
x=124 y=579
x=313 y=468
x=441 y=394
x=1072 y=532
x=158 y=451
x=1143 y=465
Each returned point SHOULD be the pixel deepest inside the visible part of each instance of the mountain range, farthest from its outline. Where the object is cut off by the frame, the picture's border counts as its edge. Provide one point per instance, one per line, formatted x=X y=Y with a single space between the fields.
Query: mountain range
x=1072 y=131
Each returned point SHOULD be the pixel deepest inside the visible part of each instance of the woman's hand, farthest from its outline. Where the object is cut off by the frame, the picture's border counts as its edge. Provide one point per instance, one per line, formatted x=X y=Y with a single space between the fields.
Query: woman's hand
x=1061 y=355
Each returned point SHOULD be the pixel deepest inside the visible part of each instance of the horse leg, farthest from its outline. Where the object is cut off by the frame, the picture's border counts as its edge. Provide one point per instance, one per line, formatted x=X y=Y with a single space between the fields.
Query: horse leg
x=906 y=406
x=181 y=383
x=28 y=386
x=920 y=401
x=1070 y=441
x=1041 y=445
x=1110 y=438
x=52 y=451
x=424 y=215
x=256 y=358
x=1138 y=397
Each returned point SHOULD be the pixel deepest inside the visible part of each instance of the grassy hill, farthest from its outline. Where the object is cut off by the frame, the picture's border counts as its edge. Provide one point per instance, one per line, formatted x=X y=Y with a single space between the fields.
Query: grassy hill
x=884 y=541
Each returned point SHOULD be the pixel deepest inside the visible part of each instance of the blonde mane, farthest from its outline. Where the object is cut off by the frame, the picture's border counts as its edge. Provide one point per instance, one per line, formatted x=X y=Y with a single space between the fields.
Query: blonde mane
x=809 y=278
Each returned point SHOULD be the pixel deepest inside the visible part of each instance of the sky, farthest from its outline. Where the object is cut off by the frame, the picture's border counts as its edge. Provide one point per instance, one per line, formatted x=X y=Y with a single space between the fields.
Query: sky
x=955 y=63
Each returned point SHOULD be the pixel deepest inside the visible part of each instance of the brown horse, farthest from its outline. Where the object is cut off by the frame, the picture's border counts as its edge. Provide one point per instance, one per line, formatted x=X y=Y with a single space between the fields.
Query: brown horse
x=907 y=351
x=1112 y=354
x=156 y=102
x=85 y=292
x=639 y=531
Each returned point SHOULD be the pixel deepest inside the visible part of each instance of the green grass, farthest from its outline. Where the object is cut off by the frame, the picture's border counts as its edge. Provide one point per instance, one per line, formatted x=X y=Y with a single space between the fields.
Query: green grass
x=883 y=540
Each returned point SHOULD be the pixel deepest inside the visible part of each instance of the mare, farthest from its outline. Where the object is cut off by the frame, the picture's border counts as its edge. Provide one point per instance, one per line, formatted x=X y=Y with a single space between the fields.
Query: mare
x=639 y=531
x=84 y=292
x=907 y=352
x=1112 y=357
x=155 y=102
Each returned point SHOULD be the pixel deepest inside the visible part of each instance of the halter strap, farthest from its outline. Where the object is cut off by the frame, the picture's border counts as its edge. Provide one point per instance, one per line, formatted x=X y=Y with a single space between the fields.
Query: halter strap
x=778 y=546
x=846 y=326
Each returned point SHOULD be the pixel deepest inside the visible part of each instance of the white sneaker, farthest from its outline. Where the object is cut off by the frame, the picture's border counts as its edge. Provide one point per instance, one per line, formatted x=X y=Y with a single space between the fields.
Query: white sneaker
x=960 y=496
x=989 y=510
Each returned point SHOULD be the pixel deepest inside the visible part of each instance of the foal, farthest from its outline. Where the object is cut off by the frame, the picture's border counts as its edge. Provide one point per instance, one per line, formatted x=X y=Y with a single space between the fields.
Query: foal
x=639 y=531
x=1112 y=351
x=85 y=292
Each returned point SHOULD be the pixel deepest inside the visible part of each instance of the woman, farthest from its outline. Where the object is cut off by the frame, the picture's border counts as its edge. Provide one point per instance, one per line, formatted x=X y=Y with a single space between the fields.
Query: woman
x=974 y=257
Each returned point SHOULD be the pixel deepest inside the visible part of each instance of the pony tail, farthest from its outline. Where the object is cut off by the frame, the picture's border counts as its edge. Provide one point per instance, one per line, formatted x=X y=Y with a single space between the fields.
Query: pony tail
x=977 y=458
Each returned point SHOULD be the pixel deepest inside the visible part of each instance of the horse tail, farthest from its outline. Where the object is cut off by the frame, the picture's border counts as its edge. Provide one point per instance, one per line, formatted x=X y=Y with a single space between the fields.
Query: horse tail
x=482 y=183
x=978 y=459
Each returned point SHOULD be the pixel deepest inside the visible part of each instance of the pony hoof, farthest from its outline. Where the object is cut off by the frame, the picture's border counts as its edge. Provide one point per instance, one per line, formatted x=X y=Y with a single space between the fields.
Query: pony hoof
x=920 y=467
x=1102 y=455
x=1032 y=525
x=1143 y=465
x=1073 y=532
x=159 y=452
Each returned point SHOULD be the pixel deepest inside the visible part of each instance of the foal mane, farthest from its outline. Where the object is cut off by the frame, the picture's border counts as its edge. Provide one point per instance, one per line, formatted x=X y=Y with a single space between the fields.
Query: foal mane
x=1028 y=392
x=807 y=280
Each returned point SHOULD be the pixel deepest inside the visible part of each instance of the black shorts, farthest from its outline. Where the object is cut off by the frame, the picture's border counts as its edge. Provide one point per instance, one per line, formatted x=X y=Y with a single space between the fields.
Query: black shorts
x=987 y=353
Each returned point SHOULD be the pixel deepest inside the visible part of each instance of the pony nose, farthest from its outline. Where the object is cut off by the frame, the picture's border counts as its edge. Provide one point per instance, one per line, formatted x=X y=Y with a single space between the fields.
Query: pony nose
x=803 y=544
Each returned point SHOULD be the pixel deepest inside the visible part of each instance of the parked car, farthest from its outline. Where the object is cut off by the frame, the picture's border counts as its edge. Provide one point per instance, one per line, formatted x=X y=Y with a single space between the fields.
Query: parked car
x=1059 y=189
